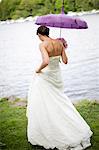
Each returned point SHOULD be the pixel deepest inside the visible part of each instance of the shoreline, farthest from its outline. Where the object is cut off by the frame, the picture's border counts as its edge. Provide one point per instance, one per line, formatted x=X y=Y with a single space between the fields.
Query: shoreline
x=23 y=101
x=32 y=19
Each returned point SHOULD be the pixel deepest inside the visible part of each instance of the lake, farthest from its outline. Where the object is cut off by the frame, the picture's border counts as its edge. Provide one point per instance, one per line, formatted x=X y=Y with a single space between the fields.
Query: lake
x=19 y=56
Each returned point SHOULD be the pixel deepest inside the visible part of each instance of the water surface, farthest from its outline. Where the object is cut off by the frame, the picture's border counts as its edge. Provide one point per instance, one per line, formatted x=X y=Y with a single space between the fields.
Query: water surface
x=19 y=56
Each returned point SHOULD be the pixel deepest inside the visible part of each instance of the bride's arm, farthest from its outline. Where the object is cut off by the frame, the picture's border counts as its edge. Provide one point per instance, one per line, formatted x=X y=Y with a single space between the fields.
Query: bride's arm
x=45 y=58
x=64 y=56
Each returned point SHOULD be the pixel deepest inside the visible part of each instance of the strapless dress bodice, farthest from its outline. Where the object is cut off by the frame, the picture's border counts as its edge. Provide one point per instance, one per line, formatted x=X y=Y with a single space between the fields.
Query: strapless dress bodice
x=53 y=63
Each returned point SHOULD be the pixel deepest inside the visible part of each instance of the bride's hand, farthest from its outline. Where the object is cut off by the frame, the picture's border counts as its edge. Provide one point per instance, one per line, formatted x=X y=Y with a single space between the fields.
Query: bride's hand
x=38 y=71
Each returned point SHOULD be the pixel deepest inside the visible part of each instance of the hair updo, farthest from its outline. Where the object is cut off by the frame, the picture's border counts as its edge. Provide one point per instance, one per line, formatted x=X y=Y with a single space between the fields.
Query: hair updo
x=43 y=30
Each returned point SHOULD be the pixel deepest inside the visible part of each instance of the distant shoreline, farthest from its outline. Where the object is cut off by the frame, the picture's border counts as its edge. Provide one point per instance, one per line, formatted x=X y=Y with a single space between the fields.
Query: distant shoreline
x=30 y=18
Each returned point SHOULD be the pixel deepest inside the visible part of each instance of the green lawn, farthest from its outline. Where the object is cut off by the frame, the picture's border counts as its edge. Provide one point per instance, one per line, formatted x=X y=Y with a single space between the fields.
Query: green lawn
x=13 y=124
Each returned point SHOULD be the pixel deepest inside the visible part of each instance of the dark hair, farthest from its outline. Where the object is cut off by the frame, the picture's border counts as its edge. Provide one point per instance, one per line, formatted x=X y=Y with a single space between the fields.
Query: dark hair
x=43 y=30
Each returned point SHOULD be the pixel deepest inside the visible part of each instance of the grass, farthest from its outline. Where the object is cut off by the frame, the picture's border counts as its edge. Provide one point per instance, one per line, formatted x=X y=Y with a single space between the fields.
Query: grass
x=13 y=124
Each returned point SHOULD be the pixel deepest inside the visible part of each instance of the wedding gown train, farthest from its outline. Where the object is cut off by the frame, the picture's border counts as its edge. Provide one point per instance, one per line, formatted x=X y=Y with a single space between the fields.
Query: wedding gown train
x=53 y=121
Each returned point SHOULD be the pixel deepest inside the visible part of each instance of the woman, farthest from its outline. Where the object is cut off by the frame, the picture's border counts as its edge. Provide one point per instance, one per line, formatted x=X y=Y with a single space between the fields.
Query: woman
x=53 y=121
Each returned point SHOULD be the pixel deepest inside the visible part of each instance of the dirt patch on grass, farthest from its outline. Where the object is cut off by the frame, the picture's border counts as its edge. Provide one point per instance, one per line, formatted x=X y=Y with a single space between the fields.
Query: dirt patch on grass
x=20 y=103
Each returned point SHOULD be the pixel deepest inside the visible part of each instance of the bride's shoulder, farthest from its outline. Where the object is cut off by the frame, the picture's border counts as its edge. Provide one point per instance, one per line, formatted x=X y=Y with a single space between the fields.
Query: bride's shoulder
x=43 y=44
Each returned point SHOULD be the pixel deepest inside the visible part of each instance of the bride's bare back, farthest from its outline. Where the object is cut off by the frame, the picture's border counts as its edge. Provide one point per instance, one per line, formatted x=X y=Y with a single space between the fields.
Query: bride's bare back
x=55 y=47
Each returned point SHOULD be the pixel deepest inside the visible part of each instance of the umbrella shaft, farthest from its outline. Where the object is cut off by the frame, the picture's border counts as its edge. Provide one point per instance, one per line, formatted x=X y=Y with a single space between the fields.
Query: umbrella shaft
x=60 y=32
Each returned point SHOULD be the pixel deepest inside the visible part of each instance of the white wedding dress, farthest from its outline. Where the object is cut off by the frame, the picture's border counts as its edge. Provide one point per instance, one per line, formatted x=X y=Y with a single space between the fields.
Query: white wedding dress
x=53 y=121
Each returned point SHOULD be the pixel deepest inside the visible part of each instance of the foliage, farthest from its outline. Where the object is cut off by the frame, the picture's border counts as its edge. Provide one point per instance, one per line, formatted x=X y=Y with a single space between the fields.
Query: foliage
x=13 y=124
x=13 y=9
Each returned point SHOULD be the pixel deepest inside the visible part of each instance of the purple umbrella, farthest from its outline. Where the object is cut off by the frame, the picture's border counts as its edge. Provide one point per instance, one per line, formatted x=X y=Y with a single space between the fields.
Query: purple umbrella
x=61 y=21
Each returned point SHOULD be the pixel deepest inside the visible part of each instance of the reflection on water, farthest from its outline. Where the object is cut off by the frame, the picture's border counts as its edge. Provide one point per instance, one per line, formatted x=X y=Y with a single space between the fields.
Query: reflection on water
x=19 y=56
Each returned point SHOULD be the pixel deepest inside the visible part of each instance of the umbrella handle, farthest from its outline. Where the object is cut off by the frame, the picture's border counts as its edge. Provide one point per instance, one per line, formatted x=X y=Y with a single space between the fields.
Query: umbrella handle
x=60 y=32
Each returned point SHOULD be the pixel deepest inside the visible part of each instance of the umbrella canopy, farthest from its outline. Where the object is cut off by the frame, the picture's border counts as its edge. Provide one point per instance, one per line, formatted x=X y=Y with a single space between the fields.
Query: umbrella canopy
x=61 y=21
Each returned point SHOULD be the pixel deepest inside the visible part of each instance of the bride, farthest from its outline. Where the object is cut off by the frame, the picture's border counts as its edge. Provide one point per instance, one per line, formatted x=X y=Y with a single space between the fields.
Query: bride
x=53 y=121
